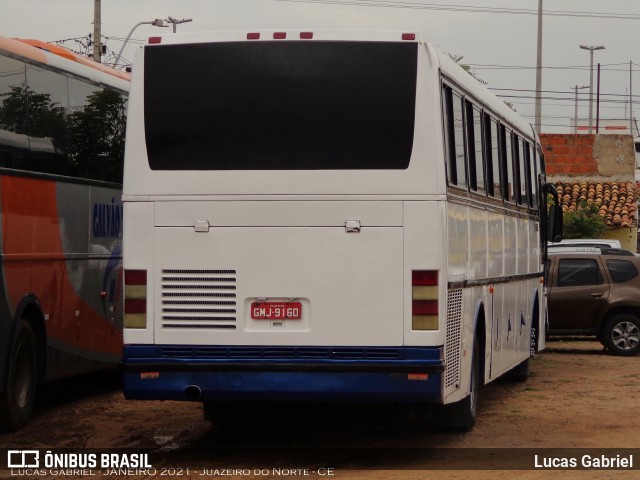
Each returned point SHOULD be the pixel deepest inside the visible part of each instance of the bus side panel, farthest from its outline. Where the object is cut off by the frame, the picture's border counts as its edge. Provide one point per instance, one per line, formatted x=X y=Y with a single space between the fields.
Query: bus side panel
x=425 y=237
x=138 y=236
x=33 y=228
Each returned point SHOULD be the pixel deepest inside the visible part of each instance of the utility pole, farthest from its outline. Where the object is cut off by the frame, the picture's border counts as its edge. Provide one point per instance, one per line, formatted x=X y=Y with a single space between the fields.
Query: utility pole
x=539 y=71
x=575 y=115
x=97 y=32
x=631 y=99
x=591 y=50
x=177 y=22
x=598 y=103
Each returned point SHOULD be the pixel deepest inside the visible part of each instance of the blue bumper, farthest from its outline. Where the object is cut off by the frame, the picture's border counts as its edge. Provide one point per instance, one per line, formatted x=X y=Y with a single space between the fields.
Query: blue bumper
x=223 y=374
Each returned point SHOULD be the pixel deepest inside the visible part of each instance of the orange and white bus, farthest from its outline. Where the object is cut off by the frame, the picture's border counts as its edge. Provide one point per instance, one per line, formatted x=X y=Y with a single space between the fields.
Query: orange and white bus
x=62 y=124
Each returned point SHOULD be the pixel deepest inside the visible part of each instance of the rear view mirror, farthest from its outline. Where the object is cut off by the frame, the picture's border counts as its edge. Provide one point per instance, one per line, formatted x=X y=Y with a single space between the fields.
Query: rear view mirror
x=554 y=229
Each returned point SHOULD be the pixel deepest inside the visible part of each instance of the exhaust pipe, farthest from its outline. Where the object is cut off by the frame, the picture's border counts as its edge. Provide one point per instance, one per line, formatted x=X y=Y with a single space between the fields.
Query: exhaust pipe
x=193 y=393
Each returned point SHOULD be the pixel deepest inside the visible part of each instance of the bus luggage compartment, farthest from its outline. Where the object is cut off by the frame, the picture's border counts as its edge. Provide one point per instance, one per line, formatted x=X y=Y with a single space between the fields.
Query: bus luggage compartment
x=279 y=273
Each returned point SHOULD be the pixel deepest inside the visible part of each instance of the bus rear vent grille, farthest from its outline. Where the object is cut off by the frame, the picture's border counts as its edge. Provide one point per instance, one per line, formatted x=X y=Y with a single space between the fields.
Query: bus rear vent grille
x=199 y=299
x=453 y=339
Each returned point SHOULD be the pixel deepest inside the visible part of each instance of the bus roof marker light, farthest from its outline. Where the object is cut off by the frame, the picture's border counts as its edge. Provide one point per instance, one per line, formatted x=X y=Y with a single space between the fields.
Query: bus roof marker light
x=408 y=36
x=253 y=36
x=279 y=35
x=154 y=40
x=306 y=35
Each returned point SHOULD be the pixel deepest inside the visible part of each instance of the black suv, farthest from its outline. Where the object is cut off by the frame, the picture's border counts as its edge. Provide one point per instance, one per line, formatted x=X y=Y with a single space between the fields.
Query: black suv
x=596 y=294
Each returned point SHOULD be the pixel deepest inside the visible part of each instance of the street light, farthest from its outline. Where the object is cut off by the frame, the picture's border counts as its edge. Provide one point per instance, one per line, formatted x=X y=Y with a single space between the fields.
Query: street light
x=591 y=50
x=177 y=22
x=575 y=115
x=156 y=23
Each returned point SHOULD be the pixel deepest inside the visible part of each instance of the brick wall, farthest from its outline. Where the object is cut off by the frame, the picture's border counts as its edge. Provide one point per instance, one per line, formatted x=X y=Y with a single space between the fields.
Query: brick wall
x=602 y=156
x=569 y=154
x=579 y=164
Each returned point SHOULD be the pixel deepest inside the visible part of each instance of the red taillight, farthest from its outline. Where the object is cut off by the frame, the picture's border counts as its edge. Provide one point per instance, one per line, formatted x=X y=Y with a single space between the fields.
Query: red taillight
x=135 y=277
x=408 y=36
x=424 y=278
x=253 y=36
x=425 y=307
x=306 y=35
x=135 y=305
x=424 y=300
x=279 y=35
x=135 y=298
x=153 y=40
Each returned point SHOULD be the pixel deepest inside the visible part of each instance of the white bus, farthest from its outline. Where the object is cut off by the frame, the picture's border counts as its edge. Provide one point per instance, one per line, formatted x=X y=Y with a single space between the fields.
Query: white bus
x=315 y=216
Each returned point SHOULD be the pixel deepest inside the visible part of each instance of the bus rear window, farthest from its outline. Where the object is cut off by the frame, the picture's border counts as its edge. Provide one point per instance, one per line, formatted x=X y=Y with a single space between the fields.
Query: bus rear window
x=290 y=105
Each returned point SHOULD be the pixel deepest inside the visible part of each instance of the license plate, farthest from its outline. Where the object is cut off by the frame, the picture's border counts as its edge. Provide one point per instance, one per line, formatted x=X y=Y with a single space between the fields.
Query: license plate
x=276 y=310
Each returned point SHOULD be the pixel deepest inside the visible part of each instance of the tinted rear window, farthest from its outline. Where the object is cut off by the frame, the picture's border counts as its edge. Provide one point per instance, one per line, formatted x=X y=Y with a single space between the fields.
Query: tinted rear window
x=622 y=270
x=280 y=105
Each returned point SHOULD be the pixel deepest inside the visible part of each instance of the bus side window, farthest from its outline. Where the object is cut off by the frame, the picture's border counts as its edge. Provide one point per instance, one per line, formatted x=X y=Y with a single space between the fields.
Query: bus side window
x=493 y=156
x=506 y=165
x=515 y=152
x=449 y=141
x=533 y=177
x=96 y=132
x=520 y=171
x=476 y=168
x=540 y=170
x=479 y=150
x=14 y=140
x=454 y=137
x=48 y=102
x=525 y=181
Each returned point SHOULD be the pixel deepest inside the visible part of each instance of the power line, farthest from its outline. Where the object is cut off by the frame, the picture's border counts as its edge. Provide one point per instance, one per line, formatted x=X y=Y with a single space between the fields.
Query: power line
x=562 y=105
x=471 y=9
x=571 y=99
x=563 y=92
x=526 y=67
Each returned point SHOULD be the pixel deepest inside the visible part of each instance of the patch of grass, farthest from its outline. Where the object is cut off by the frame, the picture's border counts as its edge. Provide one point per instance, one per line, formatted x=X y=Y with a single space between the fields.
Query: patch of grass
x=531 y=389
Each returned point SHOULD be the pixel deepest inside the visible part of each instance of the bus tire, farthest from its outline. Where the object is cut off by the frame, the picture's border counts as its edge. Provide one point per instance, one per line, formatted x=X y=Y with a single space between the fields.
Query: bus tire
x=18 y=398
x=621 y=335
x=461 y=416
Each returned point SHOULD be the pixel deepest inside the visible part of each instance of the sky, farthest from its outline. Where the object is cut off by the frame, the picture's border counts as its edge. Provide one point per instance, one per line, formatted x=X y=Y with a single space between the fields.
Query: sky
x=500 y=45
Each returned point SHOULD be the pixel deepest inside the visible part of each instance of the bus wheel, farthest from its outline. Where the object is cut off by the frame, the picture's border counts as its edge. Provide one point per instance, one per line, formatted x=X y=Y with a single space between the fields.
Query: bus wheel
x=18 y=397
x=621 y=335
x=461 y=416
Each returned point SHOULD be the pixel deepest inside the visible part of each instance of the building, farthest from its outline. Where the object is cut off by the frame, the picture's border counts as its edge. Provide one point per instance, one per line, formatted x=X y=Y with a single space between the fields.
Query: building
x=598 y=169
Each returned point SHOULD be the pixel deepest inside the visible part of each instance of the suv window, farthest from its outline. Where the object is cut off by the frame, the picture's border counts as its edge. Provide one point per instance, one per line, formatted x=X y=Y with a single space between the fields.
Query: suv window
x=576 y=272
x=622 y=270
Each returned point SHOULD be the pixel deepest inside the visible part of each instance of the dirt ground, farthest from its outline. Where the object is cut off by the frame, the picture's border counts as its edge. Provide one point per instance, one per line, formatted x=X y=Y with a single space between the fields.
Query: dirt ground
x=576 y=398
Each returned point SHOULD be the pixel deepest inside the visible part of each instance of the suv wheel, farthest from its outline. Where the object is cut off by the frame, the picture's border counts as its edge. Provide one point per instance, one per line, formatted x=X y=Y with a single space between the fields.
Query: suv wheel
x=621 y=335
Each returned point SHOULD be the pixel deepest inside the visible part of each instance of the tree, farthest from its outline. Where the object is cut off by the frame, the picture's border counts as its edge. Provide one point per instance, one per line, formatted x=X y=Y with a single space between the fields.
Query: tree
x=88 y=142
x=97 y=136
x=583 y=222
x=34 y=114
